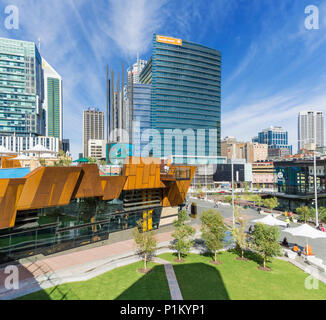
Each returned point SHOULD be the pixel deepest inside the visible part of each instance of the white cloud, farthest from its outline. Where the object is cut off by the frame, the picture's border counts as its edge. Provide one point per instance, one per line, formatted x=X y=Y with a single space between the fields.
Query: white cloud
x=131 y=23
x=280 y=109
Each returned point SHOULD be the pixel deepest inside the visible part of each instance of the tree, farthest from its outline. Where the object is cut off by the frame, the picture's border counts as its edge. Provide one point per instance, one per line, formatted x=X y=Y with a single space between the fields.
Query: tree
x=91 y=160
x=227 y=199
x=145 y=241
x=239 y=233
x=64 y=160
x=322 y=214
x=246 y=186
x=265 y=241
x=305 y=213
x=213 y=230
x=182 y=235
x=271 y=203
x=257 y=200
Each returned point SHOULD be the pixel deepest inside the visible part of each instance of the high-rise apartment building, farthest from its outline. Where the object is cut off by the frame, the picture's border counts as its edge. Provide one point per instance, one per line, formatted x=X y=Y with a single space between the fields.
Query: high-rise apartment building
x=93 y=127
x=185 y=109
x=21 y=95
x=53 y=101
x=276 y=138
x=310 y=129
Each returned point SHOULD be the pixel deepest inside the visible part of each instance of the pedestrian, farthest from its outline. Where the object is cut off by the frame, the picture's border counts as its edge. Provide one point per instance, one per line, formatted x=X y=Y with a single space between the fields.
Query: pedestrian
x=250 y=229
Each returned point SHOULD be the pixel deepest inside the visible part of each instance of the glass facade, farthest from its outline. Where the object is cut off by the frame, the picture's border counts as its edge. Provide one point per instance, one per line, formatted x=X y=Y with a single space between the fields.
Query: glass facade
x=275 y=138
x=21 y=93
x=295 y=184
x=81 y=222
x=54 y=108
x=141 y=113
x=186 y=95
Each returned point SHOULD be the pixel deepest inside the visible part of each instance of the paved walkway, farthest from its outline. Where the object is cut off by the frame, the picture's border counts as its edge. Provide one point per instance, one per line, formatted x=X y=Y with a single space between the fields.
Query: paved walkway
x=172 y=279
x=77 y=266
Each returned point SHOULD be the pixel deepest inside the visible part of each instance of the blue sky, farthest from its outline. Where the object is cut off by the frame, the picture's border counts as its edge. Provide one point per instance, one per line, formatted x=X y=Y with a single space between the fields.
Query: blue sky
x=273 y=67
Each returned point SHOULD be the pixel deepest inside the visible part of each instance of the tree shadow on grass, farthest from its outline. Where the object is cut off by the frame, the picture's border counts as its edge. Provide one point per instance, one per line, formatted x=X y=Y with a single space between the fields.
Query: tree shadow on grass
x=197 y=281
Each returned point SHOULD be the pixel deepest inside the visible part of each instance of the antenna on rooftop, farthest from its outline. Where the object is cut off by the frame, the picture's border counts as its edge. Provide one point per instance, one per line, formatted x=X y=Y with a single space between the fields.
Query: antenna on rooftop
x=39 y=44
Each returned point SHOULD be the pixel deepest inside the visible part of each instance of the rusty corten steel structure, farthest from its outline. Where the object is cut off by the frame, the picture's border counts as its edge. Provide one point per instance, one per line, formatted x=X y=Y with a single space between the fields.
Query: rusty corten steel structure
x=48 y=196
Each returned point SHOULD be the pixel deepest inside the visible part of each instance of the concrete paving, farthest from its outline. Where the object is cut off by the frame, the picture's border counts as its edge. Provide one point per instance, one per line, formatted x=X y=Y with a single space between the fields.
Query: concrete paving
x=318 y=245
x=172 y=279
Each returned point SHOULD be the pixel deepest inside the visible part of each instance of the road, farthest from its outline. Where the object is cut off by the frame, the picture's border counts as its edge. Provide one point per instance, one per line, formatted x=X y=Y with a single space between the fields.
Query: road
x=318 y=245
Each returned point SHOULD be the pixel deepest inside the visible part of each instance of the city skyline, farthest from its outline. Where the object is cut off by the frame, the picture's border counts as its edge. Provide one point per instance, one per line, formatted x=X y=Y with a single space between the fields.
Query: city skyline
x=252 y=82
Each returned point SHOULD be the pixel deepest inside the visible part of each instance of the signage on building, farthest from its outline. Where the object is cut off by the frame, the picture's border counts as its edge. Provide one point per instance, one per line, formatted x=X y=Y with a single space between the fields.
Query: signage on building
x=169 y=40
x=118 y=152
x=280 y=177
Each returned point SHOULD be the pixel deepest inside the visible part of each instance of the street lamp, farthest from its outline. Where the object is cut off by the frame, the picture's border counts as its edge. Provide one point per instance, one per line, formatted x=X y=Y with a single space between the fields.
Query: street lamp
x=315 y=187
x=232 y=182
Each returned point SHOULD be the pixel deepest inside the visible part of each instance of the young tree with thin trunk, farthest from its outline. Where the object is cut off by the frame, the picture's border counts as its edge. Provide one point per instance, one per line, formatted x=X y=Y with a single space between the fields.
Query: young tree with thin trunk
x=146 y=243
x=213 y=231
x=305 y=213
x=183 y=235
x=271 y=203
x=265 y=241
x=239 y=233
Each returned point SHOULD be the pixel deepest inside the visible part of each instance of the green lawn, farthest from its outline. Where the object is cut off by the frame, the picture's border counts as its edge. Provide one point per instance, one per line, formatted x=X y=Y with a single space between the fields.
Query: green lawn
x=198 y=280
x=123 y=283
x=241 y=280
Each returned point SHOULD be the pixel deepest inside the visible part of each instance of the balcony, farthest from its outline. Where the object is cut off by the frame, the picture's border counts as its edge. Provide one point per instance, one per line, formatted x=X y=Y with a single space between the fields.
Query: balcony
x=176 y=174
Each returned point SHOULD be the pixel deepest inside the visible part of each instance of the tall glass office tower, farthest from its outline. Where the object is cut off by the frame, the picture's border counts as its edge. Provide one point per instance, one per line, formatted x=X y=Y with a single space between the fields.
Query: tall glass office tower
x=21 y=95
x=141 y=113
x=53 y=101
x=185 y=97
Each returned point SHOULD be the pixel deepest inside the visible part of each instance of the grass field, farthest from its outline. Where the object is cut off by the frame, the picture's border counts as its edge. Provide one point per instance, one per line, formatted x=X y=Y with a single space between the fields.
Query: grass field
x=198 y=280
x=241 y=280
x=123 y=283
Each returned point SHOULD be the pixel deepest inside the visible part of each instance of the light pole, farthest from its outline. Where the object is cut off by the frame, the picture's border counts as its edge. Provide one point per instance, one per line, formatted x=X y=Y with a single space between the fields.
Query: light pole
x=315 y=185
x=206 y=182
x=232 y=179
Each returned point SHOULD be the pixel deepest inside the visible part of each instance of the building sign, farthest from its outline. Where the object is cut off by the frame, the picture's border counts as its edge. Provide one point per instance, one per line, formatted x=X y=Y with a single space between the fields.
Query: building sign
x=118 y=152
x=169 y=40
x=280 y=177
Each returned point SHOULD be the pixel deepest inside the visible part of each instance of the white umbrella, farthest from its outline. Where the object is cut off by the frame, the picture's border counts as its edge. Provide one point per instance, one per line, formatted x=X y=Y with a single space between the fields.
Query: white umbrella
x=39 y=149
x=21 y=157
x=306 y=231
x=271 y=221
x=4 y=152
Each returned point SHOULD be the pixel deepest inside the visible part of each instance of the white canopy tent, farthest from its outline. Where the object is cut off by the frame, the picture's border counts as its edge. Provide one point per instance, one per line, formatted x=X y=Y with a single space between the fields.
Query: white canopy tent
x=271 y=221
x=306 y=231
